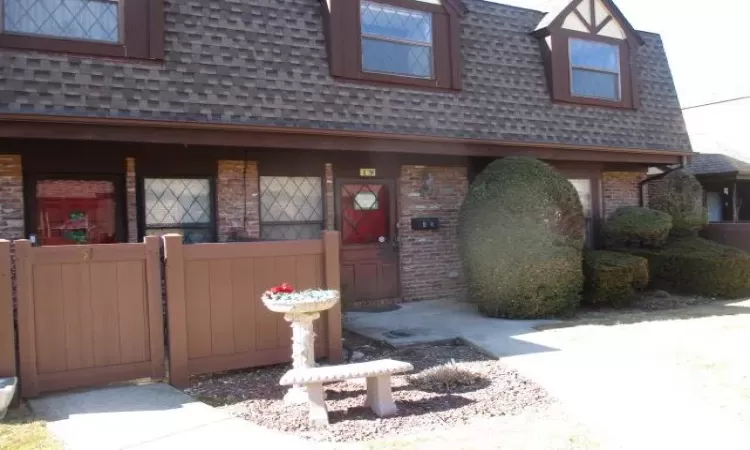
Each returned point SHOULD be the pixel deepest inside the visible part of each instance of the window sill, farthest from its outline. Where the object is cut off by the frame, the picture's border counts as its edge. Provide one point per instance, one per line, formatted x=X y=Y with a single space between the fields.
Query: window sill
x=394 y=81
x=593 y=102
x=70 y=47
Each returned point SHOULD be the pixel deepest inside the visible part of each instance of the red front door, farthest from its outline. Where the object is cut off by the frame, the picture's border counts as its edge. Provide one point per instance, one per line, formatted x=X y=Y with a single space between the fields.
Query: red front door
x=369 y=253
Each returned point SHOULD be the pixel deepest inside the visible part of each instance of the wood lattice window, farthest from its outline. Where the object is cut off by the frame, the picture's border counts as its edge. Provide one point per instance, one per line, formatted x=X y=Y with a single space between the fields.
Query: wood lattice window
x=291 y=208
x=179 y=205
x=111 y=28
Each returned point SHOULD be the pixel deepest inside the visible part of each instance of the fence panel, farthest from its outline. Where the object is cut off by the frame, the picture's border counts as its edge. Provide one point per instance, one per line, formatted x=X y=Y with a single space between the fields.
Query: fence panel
x=7 y=330
x=88 y=314
x=217 y=321
x=733 y=234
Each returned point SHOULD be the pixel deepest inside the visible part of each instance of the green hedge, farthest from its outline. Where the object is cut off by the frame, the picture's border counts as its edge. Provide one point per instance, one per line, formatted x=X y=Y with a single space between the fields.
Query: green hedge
x=680 y=195
x=611 y=278
x=521 y=232
x=698 y=266
x=632 y=226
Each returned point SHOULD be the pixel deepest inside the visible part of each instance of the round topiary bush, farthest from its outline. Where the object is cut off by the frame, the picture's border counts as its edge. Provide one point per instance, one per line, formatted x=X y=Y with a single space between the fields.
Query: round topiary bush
x=611 y=278
x=680 y=195
x=632 y=226
x=521 y=234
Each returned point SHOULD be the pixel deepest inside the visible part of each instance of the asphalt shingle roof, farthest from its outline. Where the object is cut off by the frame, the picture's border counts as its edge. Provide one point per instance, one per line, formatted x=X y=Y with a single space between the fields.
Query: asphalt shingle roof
x=264 y=62
x=716 y=163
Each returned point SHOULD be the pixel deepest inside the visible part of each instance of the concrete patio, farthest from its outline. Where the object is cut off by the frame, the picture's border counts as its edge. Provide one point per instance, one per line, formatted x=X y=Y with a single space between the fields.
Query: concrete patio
x=440 y=320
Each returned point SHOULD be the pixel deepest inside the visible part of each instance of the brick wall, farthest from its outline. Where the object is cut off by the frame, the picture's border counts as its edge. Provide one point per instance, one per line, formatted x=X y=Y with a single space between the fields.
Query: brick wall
x=11 y=197
x=620 y=189
x=130 y=188
x=430 y=264
x=235 y=198
x=330 y=223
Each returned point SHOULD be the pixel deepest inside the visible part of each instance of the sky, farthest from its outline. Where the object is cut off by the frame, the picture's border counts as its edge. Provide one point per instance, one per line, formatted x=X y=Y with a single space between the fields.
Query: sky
x=707 y=46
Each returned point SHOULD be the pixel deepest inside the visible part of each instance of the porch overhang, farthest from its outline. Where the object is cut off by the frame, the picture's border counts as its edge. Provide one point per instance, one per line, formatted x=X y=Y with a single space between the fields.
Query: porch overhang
x=259 y=136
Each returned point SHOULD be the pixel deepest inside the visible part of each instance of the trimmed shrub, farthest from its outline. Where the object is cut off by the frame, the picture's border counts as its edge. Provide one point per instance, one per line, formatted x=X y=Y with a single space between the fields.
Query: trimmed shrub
x=632 y=226
x=521 y=233
x=698 y=266
x=680 y=195
x=611 y=278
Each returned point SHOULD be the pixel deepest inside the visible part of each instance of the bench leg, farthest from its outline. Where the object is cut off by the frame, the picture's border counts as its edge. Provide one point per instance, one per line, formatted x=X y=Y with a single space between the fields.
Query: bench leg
x=317 y=405
x=379 y=397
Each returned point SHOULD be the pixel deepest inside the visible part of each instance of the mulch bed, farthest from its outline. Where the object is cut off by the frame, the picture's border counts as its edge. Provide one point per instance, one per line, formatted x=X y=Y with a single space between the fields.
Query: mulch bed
x=255 y=395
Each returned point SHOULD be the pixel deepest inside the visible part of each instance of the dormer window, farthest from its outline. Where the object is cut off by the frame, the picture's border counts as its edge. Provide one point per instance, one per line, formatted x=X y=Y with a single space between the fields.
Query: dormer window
x=588 y=50
x=594 y=70
x=398 y=42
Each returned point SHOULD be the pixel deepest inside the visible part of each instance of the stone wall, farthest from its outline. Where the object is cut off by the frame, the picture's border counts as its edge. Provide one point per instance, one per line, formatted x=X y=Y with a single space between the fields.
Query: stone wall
x=430 y=264
x=11 y=197
x=238 y=209
x=620 y=189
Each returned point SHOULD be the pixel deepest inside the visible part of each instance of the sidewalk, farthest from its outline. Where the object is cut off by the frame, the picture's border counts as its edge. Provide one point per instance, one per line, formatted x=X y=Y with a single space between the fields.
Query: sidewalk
x=154 y=416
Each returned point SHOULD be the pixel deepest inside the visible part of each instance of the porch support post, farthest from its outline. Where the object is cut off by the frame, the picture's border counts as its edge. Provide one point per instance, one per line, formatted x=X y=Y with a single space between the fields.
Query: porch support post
x=735 y=212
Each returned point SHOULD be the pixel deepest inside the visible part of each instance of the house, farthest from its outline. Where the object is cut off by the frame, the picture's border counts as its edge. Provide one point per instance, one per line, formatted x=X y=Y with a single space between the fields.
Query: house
x=275 y=119
x=726 y=185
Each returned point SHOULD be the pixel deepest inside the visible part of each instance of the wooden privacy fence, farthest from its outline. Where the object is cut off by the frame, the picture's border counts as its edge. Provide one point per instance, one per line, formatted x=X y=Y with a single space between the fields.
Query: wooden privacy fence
x=734 y=234
x=88 y=314
x=216 y=319
x=7 y=331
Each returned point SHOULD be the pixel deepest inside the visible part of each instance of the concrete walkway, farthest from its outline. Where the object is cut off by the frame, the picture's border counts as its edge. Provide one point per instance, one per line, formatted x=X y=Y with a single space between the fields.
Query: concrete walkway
x=628 y=398
x=154 y=416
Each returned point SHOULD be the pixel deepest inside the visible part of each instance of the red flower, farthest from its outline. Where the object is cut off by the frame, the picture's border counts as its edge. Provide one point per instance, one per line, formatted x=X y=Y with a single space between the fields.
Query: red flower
x=283 y=288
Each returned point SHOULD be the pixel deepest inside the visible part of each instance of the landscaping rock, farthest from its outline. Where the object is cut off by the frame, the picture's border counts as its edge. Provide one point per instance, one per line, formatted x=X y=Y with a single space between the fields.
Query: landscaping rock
x=660 y=294
x=498 y=391
x=357 y=356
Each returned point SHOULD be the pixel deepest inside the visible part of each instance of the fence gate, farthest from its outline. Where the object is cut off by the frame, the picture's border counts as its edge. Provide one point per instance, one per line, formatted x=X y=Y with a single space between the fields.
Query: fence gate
x=88 y=314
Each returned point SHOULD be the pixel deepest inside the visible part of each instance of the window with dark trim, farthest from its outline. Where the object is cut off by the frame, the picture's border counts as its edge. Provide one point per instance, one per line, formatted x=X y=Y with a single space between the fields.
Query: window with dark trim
x=179 y=205
x=406 y=42
x=291 y=207
x=112 y=28
x=588 y=50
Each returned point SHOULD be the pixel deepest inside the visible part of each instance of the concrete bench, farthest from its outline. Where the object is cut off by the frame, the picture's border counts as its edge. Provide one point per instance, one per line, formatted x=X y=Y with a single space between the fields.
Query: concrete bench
x=377 y=373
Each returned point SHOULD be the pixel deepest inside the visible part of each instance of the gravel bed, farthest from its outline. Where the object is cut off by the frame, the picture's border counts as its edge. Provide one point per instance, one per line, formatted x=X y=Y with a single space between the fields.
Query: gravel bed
x=255 y=395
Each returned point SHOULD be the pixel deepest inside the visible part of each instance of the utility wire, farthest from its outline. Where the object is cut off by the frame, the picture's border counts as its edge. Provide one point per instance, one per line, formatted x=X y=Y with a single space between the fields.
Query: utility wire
x=735 y=99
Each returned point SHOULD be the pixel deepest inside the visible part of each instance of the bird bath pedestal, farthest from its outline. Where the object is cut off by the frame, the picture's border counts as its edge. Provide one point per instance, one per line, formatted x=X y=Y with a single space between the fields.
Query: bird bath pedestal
x=301 y=309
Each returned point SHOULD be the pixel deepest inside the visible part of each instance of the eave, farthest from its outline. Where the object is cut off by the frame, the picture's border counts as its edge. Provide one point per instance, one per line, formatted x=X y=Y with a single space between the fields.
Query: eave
x=28 y=126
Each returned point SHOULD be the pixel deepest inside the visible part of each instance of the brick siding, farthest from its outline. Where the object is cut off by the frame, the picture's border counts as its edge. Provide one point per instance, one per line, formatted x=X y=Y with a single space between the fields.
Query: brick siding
x=130 y=188
x=237 y=197
x=11 y=193
x=620 y=189
x=430 y=264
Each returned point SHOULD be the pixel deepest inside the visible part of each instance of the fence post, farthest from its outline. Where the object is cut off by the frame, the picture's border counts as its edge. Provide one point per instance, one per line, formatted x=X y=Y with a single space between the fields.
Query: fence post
x=26 y=325
x=331 y=242
x=176 y=311
x=7 y=327
x=155 y=313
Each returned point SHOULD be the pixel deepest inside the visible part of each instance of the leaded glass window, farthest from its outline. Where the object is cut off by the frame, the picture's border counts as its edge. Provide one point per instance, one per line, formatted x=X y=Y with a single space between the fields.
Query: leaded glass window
x=179 y=205
x=595 y=69
x=92 y=20
x=396 y=40
x=291 y=208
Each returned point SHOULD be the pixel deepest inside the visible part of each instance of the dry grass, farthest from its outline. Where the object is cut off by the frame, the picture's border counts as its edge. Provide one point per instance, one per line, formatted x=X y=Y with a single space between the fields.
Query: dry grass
x=447 y=378
x=20 y=431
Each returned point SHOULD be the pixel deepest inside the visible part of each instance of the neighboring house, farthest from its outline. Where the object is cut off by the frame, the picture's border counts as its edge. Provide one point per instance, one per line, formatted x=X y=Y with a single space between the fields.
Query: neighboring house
x=726 y=182
x=274 y=119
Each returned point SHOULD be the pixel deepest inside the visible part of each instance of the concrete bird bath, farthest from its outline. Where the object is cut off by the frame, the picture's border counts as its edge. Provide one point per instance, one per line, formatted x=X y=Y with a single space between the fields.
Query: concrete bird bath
x=300 y=308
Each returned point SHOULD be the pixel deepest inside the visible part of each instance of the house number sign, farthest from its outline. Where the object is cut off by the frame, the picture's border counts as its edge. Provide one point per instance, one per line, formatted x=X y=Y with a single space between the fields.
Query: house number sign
x=367 y=172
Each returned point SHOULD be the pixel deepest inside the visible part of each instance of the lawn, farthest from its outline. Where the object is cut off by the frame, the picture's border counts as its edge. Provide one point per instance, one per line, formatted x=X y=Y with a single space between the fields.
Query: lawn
x=20 y=431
